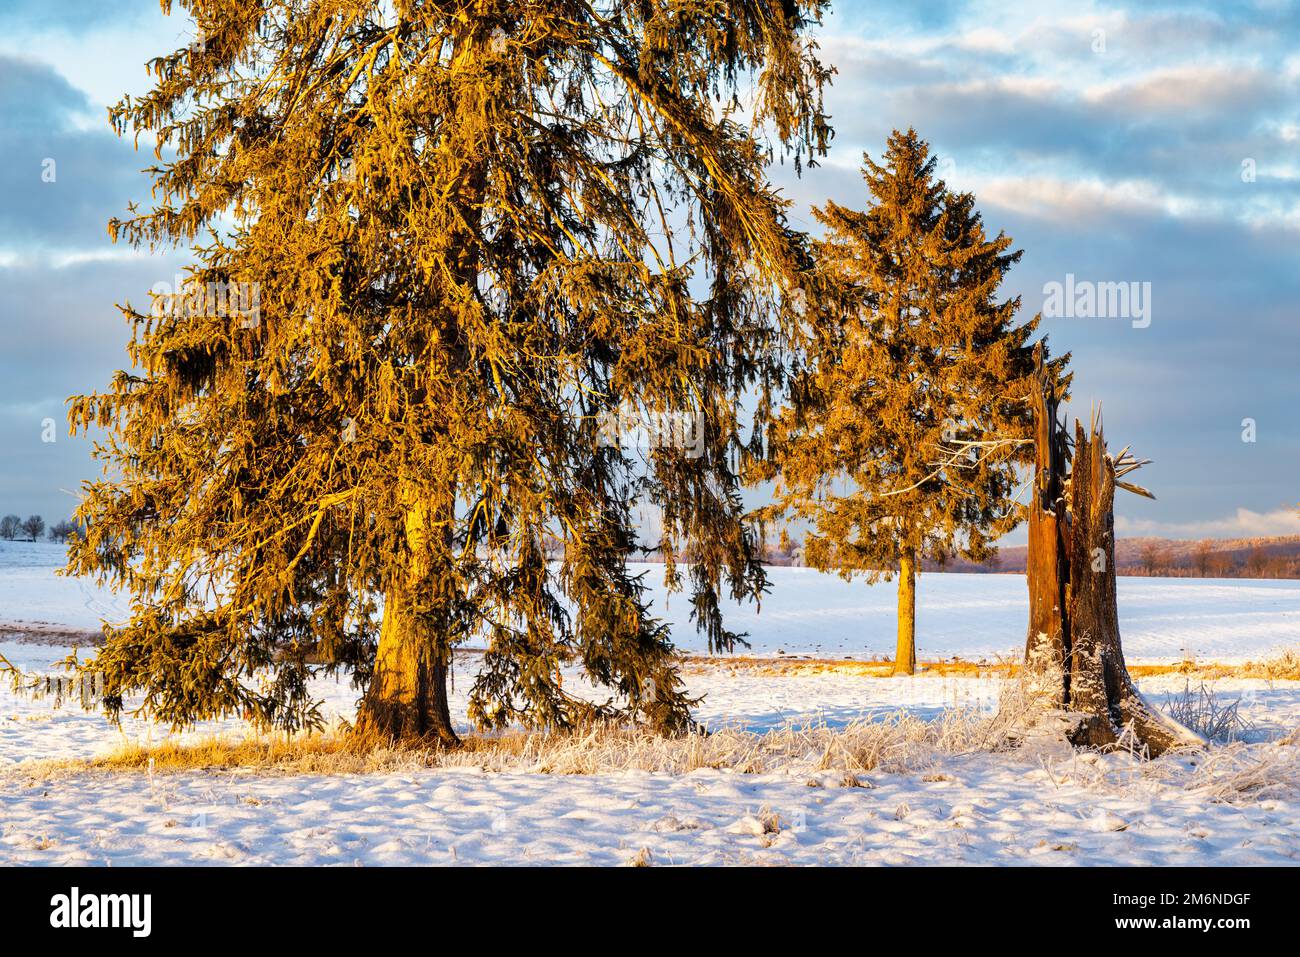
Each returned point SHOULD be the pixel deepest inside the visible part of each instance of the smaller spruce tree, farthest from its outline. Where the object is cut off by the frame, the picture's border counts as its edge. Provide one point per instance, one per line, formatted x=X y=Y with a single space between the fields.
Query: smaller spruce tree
x=908 y=412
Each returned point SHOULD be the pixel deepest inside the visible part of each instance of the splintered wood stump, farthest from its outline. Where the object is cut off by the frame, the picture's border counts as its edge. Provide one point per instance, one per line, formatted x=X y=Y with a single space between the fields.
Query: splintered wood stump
x=1074 y=641
x=1047 y=567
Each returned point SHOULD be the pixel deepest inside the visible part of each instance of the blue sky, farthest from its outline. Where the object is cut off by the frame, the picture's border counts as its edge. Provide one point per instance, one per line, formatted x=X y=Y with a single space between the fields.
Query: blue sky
x=1110 y=140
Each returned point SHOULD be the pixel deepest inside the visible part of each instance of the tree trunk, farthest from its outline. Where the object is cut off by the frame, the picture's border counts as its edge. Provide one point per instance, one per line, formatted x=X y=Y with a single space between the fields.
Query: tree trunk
x=407 y=698
x=1049 y=529
x=406 y=702
x=1074 y=647
x=905 y=656
x=1100 y=685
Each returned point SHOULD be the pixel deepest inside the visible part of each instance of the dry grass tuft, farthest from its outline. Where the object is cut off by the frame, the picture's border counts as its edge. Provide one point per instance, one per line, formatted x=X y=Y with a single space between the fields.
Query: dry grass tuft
x=1237 y=772
x=791 y=667
x=324 y=753
x=1282 y=667
x=1230 y=774
x=898 y=742
x=1203 y=712
x=642 y=858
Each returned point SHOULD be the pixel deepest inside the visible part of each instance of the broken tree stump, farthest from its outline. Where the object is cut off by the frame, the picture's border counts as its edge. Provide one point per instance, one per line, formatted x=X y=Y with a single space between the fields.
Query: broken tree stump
x=1073 y=650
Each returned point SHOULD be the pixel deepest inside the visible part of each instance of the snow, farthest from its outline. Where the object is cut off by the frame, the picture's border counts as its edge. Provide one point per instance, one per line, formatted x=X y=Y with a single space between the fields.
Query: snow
x=1041 y=804
x=977 y=810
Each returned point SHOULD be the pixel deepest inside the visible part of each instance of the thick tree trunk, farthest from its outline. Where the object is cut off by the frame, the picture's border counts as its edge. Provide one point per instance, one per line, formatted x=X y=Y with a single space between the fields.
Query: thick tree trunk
x=407 y=698
x=1099 y=684
x=406 y=702
x=1074 y=650
x=905 y=656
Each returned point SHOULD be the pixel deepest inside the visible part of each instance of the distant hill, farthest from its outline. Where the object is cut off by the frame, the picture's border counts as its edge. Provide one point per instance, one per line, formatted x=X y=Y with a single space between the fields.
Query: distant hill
x=1176 y=558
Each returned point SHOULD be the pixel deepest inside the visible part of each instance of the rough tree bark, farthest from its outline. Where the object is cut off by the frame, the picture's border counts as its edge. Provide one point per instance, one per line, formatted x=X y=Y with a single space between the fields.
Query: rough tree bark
x=905 y=656
x=406 y=701
x=1048 y=569
x=1074 y=647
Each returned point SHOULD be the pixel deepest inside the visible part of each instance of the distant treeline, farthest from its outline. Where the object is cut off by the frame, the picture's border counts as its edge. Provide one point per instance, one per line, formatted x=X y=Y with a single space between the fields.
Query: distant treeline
x=1144 y=557
x=32 y=528
x=1176 y=558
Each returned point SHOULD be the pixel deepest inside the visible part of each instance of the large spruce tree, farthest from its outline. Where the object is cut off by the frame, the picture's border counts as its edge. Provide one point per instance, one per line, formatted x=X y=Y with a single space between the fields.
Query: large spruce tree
x=909 y=414
x=452 y=237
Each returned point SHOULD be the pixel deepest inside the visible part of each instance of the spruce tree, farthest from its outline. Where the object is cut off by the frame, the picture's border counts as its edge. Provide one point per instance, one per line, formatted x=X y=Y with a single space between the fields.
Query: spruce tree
x=436 y=245
x=909 y=412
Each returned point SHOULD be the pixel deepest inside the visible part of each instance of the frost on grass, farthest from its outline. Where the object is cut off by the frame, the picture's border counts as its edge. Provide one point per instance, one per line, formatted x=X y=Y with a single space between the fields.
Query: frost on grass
x=898 y=742
x=1203 y=712
x=818 y=754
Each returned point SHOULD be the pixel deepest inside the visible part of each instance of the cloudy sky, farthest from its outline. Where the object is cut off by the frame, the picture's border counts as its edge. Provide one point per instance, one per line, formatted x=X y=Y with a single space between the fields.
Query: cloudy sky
x=1142 y=143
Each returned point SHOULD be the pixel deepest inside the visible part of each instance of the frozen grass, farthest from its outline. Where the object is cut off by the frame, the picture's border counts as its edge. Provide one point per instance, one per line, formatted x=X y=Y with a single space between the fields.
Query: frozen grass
x=896 y=742
x=1236 y=773
x=1203 y=712
x=899 y=743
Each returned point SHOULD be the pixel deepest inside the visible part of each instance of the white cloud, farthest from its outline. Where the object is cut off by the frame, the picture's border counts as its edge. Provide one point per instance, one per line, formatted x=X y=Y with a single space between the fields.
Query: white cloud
x=1244 y=524
x=986 y=40
x=1050 y=197
x=1187 y=88
x=66 y=258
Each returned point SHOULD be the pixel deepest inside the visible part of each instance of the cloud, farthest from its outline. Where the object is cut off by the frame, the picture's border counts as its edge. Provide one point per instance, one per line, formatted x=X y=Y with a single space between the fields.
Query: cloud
x=36 y=99
x=1073 y=200
x=1181 y=96
x=63 y=178
x=1243 y=524
x=62 y=336
x=1116 y=166
x=1194 y=90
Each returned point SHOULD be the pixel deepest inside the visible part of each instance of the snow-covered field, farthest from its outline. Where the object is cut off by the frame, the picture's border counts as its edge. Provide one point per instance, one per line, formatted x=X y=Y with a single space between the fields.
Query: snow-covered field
x=807 y=612
x=1049 y=809
x=1041 y=804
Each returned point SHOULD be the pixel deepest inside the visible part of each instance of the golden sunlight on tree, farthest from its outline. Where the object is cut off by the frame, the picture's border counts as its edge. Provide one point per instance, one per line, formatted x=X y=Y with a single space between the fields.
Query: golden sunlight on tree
x=908 y=414
x=446 y=239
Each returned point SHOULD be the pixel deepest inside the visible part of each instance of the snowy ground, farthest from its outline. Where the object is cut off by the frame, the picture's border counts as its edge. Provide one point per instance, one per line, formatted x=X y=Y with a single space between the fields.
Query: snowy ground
x=1045 y=805
x=1039 y=805
x=977 y=810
